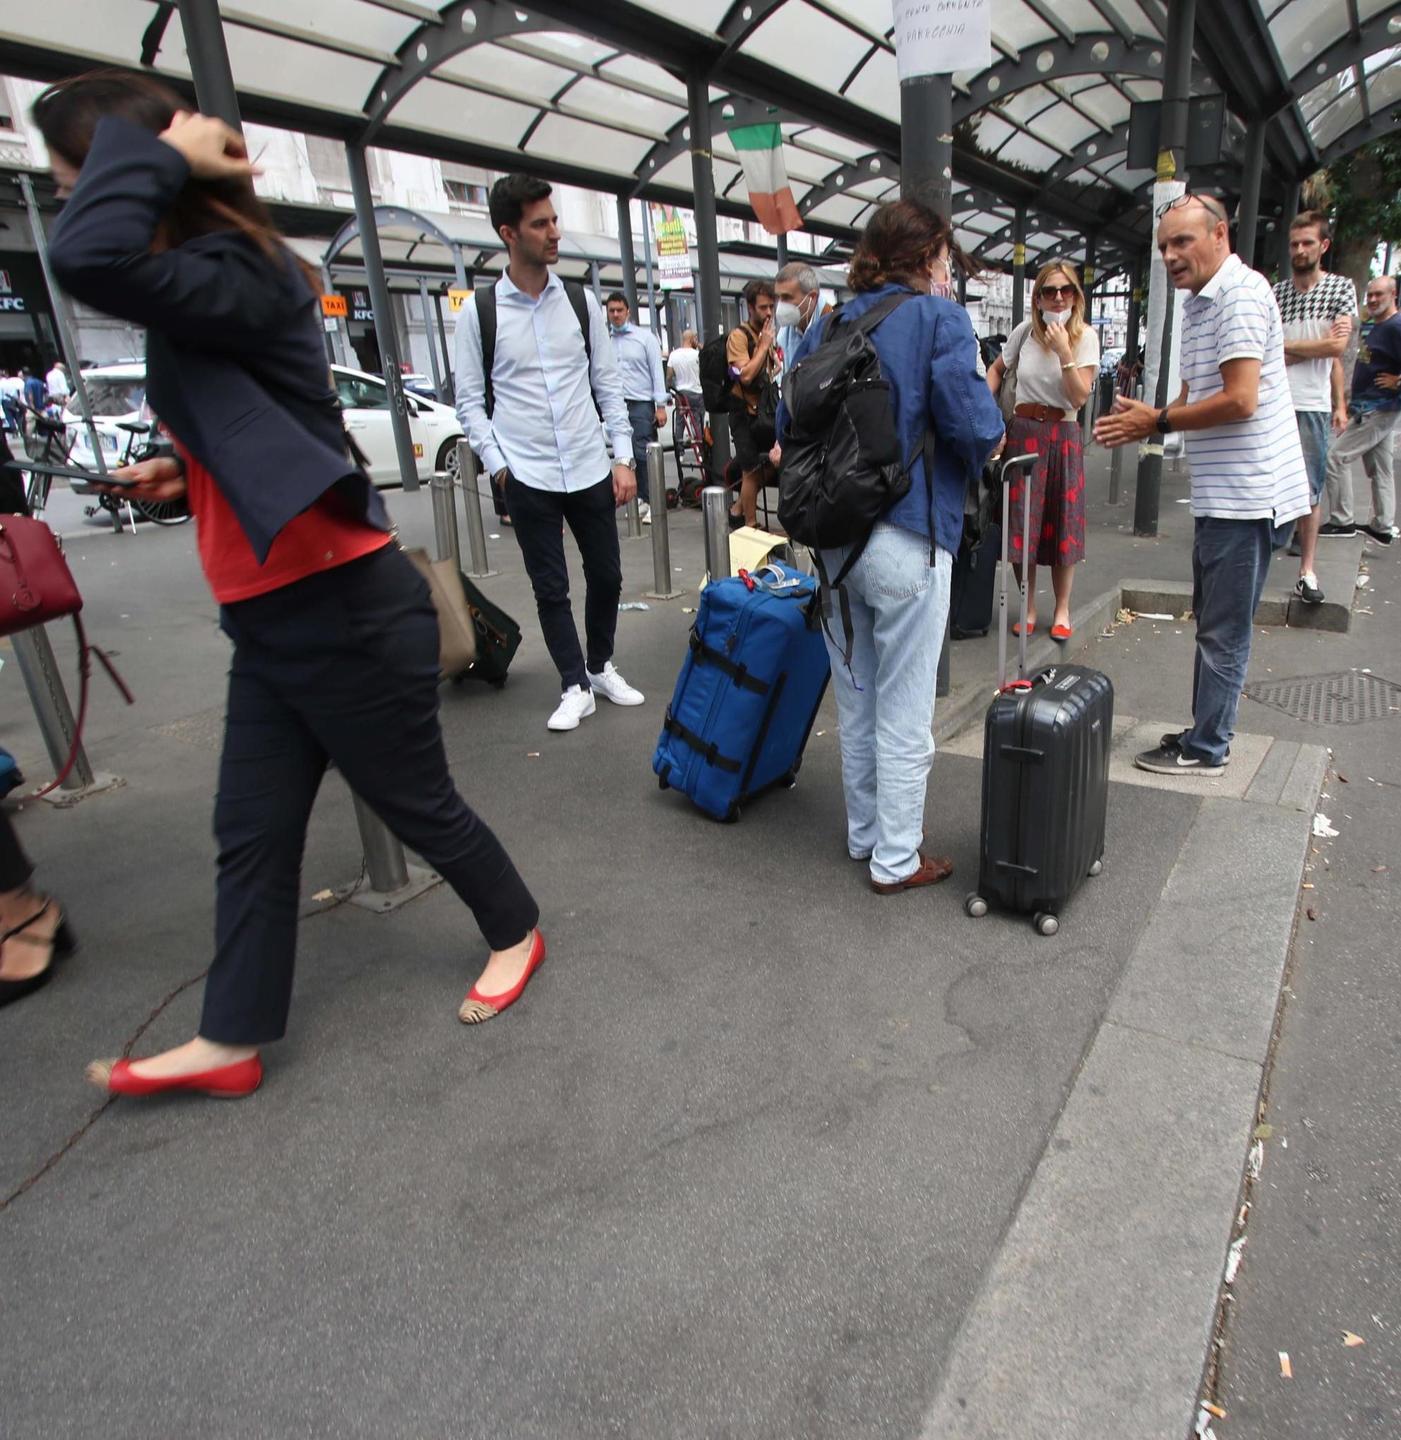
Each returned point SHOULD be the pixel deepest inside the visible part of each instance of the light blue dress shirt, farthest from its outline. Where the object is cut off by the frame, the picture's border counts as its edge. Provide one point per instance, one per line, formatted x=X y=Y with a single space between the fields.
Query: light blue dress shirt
x=544 y=425
x=639 y=360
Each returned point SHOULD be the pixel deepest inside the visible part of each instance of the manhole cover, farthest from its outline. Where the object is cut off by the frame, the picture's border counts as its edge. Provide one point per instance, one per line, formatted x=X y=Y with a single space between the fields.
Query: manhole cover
x=1346 y=698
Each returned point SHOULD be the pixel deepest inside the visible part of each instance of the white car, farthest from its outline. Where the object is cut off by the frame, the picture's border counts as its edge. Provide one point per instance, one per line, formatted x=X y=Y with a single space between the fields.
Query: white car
x=117 y=394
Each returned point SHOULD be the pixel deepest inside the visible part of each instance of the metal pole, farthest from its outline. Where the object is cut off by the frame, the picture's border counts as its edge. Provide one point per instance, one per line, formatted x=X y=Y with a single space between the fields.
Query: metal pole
x=633 y=510
x=926 y=140
x=447 y=394
x=445 y=517
x=595 y=283
x=1253 y=167
x=65 y=330
x=384 y=856
x=1087 y=278
x=651 y=275
x=472 y=501
x=715 y=513
x=1170 y=182
x=209 y=60
x=1150 y=463
x=661 y=541
x=340 y=346
x=625 y=252
x=780 y=245
x=962 y=283
x=428 y=336
x=1018 y=265
x=707 y=253
x=50 y=701
x=384 y=319
x=1291 y=209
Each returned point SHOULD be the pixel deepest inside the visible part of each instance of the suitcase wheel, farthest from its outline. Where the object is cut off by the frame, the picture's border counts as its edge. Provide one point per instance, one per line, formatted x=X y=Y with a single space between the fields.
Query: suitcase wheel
x=730 y=815
x=662 y=783
x=1097 y=867
x=975 y=905
x=1045 y=924
x=789 y=780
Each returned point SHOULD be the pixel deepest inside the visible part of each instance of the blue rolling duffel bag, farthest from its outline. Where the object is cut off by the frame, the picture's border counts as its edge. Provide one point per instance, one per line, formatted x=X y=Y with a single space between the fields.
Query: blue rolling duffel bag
x=748 y=691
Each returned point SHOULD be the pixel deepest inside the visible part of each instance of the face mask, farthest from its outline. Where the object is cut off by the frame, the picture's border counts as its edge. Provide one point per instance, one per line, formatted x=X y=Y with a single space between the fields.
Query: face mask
x=786 y=313
x=1053 y=317
x=618 y=329
x=941 y=288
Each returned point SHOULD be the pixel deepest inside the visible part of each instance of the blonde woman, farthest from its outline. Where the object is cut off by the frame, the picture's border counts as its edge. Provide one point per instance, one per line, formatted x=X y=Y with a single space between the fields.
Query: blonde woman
x=1057 y=358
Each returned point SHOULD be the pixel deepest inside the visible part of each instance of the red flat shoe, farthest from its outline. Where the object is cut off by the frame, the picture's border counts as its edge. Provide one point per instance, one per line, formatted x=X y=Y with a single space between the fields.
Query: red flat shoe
x=225 y=1082
x=1017 y=628
x=1062 y=632
x=478 y=1007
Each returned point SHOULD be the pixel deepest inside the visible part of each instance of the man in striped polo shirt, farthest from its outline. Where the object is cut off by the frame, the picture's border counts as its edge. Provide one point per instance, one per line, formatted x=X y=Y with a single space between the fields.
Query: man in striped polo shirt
x=1247 y=465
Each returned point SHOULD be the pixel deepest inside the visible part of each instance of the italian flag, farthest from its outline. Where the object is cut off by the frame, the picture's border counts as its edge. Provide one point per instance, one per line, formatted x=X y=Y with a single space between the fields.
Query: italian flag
x=760 y=150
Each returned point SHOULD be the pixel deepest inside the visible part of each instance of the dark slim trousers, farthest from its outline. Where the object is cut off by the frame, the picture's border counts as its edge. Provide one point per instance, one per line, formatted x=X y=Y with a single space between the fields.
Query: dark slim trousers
x=643 y=416
x=539 y=517
x=339 y=667
x=15 y=868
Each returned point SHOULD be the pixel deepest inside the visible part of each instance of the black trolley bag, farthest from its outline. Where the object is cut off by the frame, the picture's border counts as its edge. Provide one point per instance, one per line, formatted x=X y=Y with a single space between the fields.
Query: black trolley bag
x=1045 y=772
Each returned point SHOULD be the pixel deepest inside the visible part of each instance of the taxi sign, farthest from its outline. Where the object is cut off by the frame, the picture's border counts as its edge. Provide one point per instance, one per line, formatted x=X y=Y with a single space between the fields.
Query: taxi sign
x=456 y=298
x=334 y=307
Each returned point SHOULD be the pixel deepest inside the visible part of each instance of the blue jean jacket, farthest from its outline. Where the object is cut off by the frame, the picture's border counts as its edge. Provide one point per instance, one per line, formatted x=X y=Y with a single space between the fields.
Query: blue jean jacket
x=928 y=353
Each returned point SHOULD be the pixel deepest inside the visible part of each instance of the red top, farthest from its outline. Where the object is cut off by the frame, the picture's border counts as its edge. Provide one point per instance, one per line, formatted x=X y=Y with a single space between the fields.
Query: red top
x=319 y=539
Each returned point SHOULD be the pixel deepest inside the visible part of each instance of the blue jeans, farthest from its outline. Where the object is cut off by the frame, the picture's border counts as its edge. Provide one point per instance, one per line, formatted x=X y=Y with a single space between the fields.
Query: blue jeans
x=643 y=415
x=1230 y=559
x=899 y=603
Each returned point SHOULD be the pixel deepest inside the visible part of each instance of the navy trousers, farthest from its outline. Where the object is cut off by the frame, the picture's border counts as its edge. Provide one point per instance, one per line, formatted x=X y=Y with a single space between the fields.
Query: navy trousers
x=339 y=667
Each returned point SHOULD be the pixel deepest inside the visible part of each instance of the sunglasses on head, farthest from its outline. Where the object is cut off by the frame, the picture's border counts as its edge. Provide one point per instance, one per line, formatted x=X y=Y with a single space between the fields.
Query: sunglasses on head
x=1209 y=203
x=1058 y=292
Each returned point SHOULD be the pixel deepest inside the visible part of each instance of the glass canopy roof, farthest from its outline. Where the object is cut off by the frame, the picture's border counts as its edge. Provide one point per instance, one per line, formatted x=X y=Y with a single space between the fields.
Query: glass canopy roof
x=595 y=94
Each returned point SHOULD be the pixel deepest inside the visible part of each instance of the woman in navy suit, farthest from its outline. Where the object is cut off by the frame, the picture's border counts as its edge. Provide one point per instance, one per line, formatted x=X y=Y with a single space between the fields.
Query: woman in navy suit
x=335 y=638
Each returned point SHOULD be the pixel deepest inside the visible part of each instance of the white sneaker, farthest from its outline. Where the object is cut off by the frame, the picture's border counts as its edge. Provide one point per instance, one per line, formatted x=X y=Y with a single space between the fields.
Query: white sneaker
x=574 y=705
x=613 y=687
x=645 y=511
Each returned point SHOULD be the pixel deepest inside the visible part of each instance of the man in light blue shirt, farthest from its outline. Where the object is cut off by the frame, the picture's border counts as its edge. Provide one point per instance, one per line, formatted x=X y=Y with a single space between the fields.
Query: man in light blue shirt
x=643 y=379
x=535 y=376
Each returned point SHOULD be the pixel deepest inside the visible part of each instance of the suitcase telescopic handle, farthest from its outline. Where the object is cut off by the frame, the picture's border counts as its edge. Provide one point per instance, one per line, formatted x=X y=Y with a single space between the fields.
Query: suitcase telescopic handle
x=1024 y=462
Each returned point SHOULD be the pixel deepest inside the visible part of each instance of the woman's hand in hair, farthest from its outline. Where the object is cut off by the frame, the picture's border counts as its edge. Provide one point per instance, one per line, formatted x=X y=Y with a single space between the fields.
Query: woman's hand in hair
x=159 y=479
x=213 y=150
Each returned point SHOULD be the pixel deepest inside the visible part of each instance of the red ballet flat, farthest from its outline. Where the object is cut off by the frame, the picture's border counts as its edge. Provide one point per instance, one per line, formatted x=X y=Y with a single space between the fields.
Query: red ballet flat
x=1062 y=632
x=478 y=1007
x=225 y=1082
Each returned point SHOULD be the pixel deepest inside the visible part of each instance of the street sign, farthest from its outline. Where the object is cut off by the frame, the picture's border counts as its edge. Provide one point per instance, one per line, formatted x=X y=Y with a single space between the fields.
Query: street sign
x=333 y=307
x=456 y=299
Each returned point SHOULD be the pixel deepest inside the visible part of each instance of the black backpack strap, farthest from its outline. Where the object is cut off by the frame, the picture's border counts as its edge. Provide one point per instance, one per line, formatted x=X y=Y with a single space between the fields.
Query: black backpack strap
x=575 y=291
x=485 y=301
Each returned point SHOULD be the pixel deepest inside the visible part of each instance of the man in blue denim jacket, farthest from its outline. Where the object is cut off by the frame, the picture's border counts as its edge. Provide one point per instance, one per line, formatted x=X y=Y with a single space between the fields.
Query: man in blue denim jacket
x=898 y=591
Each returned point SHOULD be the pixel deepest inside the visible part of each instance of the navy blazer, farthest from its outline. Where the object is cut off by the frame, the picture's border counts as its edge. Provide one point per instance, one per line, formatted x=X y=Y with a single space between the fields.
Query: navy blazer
x=235 y=362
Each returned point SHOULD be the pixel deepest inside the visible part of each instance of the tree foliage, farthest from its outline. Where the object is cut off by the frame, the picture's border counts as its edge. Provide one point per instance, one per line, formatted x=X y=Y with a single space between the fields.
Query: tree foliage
x=1362 y=191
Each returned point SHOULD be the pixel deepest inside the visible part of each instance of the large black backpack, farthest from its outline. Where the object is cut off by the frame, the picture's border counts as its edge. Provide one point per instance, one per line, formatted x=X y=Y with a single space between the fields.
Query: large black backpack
x=717 y=384
x=843 y=466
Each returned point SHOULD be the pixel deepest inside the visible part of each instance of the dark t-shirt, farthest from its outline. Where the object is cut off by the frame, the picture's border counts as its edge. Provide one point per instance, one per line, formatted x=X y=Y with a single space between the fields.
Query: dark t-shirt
x=1378 y=354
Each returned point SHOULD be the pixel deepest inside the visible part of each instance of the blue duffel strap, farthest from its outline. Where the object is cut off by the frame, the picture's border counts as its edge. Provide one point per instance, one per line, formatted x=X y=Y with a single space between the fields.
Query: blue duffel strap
x=740 y=674
x=706 y=749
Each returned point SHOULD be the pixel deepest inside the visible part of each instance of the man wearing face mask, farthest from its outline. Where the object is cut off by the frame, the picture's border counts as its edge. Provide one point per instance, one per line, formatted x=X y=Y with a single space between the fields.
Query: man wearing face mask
x=799 y=300
x=639 y=361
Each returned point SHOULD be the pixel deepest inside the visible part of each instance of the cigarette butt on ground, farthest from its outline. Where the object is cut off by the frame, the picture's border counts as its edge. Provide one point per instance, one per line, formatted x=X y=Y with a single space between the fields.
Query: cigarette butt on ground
x=1285 y=1368
x=324 y=895
x=1215 y=1410
x=1349 y=1339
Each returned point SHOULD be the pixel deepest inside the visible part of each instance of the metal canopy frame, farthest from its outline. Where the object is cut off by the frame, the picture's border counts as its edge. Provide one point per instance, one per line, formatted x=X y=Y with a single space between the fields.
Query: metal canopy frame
x=1083 y=188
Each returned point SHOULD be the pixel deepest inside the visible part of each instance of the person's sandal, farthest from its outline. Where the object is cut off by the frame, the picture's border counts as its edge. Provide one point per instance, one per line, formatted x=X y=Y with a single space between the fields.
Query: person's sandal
x=62 y=943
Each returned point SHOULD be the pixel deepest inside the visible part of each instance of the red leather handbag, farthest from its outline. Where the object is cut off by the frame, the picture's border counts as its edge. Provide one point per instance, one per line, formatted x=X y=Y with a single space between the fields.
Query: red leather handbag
x=36 y=586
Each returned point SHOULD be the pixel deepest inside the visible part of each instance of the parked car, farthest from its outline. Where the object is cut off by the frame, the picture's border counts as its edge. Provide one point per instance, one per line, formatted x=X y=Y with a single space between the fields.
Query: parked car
x=117 y=394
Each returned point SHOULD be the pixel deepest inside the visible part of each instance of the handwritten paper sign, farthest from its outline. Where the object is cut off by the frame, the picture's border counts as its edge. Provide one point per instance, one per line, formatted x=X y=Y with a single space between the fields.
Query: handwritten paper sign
x=937 y=37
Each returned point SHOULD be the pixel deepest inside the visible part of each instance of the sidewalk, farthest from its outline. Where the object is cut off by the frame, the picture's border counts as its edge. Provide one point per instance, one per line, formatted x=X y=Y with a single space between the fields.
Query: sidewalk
x=753 y=1156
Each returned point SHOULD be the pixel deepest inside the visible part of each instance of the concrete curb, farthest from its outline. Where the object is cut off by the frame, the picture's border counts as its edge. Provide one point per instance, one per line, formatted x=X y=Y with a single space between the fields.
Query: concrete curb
x=1095 y=1319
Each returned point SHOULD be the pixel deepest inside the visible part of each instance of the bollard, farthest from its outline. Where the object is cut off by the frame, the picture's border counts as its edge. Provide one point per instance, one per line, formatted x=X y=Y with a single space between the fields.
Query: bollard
x=634 y=519
x=715 y=510
x=661 y=540
x=1116 y=470
x=445 y=536
x=392 y=882
x=472 y=500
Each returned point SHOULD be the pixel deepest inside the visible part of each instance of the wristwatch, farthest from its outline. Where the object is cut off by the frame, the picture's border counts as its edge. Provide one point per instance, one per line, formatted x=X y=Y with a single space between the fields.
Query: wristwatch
x=1163 y=424
x=631 y=464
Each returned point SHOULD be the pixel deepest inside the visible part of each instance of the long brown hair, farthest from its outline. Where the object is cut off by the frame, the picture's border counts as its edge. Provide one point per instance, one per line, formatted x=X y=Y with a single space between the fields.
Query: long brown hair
x=898 y=243
x=1075 y=326
x=67 y=114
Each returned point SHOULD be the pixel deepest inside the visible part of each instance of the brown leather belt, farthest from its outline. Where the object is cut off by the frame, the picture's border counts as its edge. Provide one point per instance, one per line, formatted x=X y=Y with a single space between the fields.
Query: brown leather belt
x=1039 y=412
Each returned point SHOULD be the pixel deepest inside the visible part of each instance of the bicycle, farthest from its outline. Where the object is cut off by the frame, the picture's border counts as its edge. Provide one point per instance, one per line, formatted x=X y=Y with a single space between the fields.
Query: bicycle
x=158 y=512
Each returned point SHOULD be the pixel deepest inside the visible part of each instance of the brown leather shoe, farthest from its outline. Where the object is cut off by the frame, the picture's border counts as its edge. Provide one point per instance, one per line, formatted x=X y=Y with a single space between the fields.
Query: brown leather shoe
x=932 y=869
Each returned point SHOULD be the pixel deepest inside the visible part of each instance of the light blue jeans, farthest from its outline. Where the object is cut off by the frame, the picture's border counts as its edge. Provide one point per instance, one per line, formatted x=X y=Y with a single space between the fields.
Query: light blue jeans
x=885 y=702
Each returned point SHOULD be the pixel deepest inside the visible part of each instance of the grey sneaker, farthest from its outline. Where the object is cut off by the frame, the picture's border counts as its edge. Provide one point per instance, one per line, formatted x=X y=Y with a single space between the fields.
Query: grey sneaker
x=1173 y=740
x=1170 y=760
x=1306 y=588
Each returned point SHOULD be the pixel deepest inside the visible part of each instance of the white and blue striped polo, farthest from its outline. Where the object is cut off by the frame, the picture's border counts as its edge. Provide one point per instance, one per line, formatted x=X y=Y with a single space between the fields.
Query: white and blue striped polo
x=1250 y=469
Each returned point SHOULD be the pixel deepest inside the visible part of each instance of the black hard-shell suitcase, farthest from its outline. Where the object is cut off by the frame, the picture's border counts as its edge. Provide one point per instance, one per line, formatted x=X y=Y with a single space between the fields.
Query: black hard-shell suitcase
x=1045 y=777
